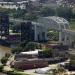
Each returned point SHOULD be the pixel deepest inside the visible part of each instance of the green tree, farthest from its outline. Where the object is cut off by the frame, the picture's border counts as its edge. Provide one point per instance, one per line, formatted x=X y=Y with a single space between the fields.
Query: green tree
x=46 y=11
x=72 y=60
x=22 y=44
x=53 y=35
x=1 y=68
x=17 y=50
x=4 y=60
x=64 y=12
x=19 y=13
x=55 y=72
x=31 y=16
x=60 y=70
x=30 y=46
x=47 y=53
x=25 y=46
x=73 y=15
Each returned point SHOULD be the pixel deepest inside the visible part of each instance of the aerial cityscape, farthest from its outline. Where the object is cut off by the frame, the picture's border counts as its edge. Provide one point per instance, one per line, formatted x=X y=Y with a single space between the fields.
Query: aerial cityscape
x=37 y=37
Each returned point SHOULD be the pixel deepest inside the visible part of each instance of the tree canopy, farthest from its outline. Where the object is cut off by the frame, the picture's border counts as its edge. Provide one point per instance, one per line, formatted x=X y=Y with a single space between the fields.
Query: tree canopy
x=64 y=12
x=46 y=11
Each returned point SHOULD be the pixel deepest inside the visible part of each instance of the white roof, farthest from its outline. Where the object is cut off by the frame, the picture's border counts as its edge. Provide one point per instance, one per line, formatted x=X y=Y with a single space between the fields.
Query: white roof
x=43 y=70
x=22 y=2
x=20 y=20
x=54 y=22
x=31 y=52
x=58 y=19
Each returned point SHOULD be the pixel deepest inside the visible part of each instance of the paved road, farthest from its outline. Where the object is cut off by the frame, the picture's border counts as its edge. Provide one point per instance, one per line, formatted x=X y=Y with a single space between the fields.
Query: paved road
x=2 y=74
x=53 y=66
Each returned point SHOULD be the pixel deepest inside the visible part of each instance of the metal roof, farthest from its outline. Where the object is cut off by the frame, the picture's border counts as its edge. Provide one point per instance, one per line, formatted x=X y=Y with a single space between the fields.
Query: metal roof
x=58 y=19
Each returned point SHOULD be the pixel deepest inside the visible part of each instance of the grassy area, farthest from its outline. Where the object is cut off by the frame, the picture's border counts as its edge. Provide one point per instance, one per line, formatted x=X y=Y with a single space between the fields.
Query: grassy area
x=72 y=24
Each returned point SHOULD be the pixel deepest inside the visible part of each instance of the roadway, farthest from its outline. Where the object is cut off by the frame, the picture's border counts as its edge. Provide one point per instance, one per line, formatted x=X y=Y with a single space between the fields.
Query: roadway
x=52 y=66
x=2 y=74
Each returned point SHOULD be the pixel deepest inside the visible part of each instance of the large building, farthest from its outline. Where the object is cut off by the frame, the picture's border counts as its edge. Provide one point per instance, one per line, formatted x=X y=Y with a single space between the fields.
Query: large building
x=13 y=4
x=4 y=25
x=4 y=32
x=27 y=31
x=47 y=3
x=30 y=31
x=37 y=31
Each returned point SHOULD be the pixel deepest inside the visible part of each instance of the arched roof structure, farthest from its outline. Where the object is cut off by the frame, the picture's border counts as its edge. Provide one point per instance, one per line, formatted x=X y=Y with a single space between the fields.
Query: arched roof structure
x=54 y=22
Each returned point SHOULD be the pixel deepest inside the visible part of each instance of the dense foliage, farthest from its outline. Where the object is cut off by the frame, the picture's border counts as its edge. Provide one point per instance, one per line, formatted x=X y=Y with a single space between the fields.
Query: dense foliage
x=4 y=60
x=28 y=14
x=53 y=35
x=47 y=53
x=46 y=11
x=15 y=73
x=65 y=12
x=22 y=47
x=1 y=68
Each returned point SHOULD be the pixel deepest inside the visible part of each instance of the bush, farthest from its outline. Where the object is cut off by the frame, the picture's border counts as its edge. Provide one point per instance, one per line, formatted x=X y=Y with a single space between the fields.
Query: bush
x=15 y=73
x=4 y=60
x=7 y=55
x=30 y=46
x=1 y=68
x=17 y=50
x=46 y=53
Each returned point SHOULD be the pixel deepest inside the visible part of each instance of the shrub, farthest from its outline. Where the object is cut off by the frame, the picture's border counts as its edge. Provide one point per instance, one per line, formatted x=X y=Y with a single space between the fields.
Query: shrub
x=7 y=55
x=4 y=60
x=17 y=50
x=1 y=68
x=45 y=53
x=30 y=46
x=15 y=73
